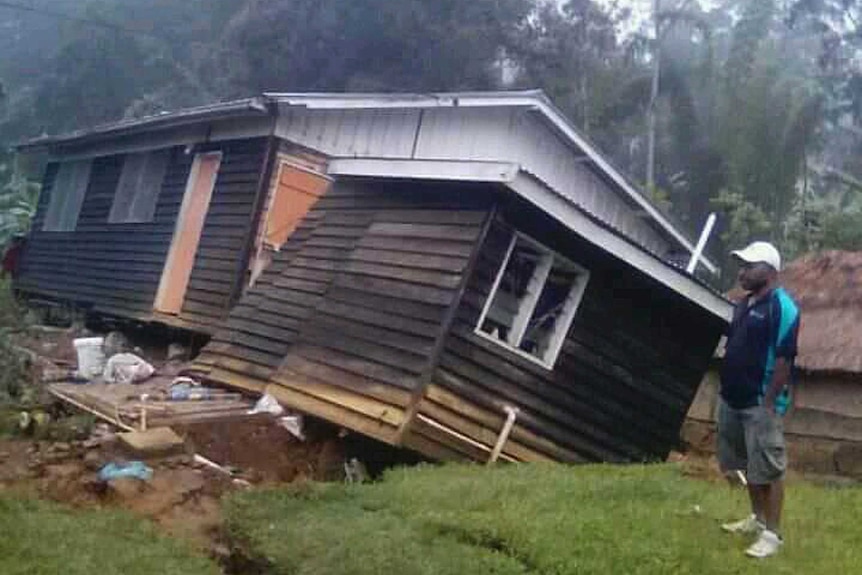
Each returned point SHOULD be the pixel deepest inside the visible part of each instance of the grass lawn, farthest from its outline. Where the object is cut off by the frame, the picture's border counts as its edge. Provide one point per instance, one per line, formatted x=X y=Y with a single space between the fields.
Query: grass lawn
x=39 y=538
x=537 y=519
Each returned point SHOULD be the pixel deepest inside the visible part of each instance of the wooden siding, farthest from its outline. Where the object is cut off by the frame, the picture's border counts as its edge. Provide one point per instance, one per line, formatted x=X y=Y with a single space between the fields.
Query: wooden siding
x=343 y=323
x=225 y=235
x=116 y=268
x=619 y=391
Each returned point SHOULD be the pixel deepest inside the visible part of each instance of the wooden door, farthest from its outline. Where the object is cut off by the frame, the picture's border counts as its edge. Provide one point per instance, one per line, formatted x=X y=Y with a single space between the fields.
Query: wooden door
x=187 y=234
x=295 y=192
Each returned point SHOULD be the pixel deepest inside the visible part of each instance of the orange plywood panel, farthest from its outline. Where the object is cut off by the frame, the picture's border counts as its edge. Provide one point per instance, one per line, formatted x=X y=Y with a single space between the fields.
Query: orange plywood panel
x=187 y=235
x=297 y=190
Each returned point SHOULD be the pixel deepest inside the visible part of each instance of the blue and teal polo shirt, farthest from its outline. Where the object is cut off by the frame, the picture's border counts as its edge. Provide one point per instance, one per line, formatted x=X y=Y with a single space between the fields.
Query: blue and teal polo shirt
x=761 y=332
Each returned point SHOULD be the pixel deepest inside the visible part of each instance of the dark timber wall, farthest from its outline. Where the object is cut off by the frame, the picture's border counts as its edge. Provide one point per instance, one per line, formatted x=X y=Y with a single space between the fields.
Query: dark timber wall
x=116 y=268
x=627 y=373
x=344 y=322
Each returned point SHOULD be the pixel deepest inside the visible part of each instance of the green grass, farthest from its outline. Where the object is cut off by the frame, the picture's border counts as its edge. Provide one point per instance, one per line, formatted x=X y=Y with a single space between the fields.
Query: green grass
x=39 y=538
x=536 y=519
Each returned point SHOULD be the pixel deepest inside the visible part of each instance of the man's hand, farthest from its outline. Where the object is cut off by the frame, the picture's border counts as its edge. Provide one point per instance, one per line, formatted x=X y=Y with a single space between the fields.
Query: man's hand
x=780 y=380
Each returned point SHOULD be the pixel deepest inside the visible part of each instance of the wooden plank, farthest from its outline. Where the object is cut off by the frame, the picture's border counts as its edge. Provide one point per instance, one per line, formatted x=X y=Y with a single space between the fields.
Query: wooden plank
x=362 y=349
x=420 y=346
x=432 y=216
x=484 y=435
x=379 y=317
x=346 y=417
x=396 y=289
x=299 y=362
x=236 y=380
x=422 y=261
x=431 y=449
x=439 y=395
x=430 y=231
x=447 y=281
x=419 y=246
x=358 y=366
x=603 y=439
x=543 y=417
x=381 y=301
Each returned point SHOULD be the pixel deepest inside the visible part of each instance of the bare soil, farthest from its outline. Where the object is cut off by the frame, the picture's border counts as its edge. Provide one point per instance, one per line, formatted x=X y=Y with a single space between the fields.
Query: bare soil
x=183 y=496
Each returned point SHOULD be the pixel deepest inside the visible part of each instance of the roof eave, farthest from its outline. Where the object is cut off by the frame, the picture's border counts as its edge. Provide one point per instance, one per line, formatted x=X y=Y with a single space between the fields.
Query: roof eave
x=221 y=111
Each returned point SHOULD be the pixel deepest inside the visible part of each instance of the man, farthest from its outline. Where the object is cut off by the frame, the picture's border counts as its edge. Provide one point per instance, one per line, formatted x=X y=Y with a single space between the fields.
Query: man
x=755 y=393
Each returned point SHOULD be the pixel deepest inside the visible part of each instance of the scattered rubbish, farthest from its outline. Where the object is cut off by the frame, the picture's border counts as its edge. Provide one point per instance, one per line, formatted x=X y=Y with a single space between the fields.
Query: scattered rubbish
x=185 y=391
x=91 y=358
x=127 y=368
x=267 y=404
x=115 y=343
x=355 y=471
x=178 y=352
x=201 y=460
x=134 y=469
x=294 y=424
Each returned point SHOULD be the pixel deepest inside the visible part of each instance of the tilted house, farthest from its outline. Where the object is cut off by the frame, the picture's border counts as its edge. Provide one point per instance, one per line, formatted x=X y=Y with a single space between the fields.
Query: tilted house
x=448 y=272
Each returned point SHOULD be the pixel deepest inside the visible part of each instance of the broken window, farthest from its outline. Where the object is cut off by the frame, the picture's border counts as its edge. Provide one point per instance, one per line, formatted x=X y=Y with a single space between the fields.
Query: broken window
x=533 y=301
x=139 y=187
x=67 y=196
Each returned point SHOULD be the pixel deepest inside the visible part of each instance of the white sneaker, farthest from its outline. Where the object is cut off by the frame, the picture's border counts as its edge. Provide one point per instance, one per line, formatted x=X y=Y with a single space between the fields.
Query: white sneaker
x=748 y=526
x=767 y=544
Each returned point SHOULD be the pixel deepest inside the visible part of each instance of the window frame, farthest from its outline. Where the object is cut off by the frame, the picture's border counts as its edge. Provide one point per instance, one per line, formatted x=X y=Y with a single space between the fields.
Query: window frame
x=561 y=328
x=68 y=196
x=131 y=185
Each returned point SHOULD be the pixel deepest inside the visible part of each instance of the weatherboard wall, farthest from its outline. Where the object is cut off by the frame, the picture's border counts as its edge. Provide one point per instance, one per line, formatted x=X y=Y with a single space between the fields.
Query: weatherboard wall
x=620 y=389
x=344 y=322
x=115 y=268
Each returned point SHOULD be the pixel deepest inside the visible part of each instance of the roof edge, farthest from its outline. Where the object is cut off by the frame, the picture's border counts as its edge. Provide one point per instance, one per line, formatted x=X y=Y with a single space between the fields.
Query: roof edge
x=222 y=110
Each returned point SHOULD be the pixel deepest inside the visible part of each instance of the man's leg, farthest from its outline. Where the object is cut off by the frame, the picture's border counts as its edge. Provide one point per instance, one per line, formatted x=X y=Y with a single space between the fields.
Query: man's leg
x=757 y=495
x=767 y=459
x=733 y=457
x=774 y=501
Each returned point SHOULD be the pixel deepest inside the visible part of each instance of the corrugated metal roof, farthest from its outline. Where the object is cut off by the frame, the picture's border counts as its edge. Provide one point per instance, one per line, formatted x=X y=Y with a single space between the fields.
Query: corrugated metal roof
x=237 y=108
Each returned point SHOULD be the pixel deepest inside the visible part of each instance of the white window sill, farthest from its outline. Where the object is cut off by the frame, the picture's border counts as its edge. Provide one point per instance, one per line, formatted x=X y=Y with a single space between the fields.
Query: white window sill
x=519 y=352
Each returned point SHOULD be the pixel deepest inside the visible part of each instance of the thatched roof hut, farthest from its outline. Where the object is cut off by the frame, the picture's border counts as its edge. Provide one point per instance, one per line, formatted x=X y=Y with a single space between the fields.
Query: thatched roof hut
x=828 y=289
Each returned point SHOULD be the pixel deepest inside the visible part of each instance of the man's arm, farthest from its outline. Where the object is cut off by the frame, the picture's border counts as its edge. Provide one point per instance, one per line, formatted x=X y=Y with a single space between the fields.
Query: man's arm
x=780 y=379
x=785 y=317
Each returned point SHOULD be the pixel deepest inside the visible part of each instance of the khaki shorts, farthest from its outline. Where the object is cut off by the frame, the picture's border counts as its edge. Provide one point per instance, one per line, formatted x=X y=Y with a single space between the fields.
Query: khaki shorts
x=751 y=440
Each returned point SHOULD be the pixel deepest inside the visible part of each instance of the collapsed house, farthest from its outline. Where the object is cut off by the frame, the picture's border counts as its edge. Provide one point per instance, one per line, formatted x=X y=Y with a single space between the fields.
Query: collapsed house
x=458 y=274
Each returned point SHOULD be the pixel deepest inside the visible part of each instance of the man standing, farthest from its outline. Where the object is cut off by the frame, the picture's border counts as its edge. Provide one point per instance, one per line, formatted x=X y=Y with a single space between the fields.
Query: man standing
x=755 y=393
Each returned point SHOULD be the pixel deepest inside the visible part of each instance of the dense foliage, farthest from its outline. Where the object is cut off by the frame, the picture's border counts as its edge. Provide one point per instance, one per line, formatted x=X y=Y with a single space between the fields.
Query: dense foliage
x=757 y=105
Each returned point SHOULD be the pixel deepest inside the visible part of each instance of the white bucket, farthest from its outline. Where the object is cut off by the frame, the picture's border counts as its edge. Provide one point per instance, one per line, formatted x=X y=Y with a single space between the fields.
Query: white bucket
x=91 y=358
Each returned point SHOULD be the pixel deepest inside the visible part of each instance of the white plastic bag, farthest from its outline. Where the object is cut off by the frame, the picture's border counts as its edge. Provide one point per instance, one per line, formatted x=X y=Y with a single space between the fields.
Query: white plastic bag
x=267 y=404
x=127 y=368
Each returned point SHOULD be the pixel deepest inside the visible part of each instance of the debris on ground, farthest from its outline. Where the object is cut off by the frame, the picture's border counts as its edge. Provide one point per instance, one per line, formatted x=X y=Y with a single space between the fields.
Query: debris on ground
x=127 y=368
x=124 y=470
x=167 y=448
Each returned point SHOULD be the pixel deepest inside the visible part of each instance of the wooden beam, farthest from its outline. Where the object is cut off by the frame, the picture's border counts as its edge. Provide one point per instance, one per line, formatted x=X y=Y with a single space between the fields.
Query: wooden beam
x=427 y=375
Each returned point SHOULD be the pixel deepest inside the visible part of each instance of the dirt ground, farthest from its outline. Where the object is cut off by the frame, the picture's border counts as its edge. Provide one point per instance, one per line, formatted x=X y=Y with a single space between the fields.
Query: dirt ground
x=183 y=495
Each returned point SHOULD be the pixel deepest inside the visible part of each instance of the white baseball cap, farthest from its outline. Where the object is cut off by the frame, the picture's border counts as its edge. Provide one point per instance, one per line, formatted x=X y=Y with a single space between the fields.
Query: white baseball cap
x=760 y=252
